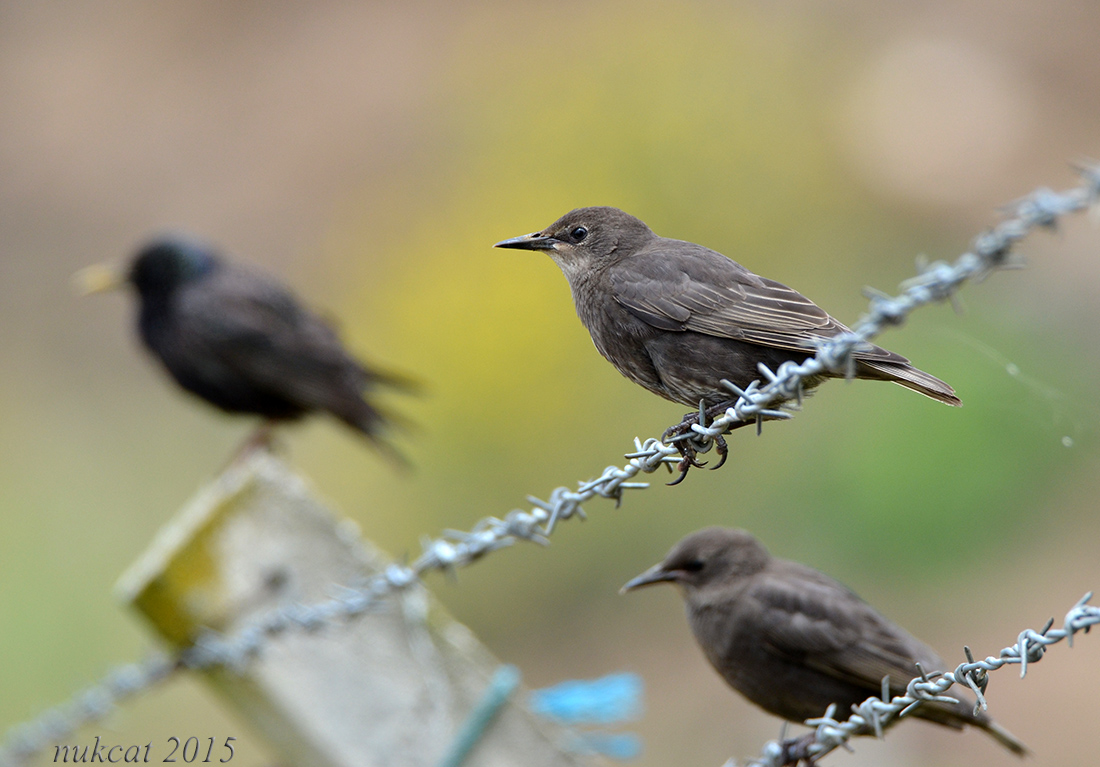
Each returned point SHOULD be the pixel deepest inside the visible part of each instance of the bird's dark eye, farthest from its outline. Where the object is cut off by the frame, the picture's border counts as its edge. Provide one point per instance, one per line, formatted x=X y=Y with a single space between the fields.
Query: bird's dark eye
x=578 y=233
x=693 y=565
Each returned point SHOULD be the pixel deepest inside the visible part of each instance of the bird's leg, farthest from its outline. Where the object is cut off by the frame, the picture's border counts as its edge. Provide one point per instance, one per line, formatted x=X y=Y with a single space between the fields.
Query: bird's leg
x=703 y=416
x=689 y=444
x=682 y=428
x=260 y=438
x=796 y=751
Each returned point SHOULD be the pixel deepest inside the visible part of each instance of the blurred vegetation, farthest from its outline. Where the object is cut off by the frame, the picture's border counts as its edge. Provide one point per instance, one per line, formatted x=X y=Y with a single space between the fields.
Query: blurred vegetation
x=678 y=139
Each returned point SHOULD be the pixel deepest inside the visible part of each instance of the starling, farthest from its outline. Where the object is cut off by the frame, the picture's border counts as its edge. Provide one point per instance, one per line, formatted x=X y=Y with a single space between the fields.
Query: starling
x=677 y=318
x=242 y=341
x=791 y=639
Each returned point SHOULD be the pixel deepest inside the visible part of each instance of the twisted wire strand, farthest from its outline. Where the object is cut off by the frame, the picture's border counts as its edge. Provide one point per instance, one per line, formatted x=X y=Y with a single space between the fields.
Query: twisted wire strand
x=937 y=281
x=875 y=714
x=90 y=705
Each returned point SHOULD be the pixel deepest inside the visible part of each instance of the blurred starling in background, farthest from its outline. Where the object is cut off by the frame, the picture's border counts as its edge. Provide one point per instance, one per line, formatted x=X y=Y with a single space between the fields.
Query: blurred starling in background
x=791 y=639
x=242 y=342
x=677 y=318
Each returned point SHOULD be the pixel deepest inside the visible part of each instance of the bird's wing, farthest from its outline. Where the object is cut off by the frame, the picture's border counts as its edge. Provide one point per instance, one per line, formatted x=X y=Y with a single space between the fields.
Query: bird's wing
x=256 y=328
x=693 y=288
x=815 y=621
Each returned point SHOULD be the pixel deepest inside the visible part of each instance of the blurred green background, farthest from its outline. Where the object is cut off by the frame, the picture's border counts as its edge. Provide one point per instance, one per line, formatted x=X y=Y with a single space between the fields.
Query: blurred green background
x=370 y=154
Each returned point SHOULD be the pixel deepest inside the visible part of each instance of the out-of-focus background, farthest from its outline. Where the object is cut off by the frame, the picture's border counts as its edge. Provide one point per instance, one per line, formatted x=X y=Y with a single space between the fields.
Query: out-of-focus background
x=370 y=154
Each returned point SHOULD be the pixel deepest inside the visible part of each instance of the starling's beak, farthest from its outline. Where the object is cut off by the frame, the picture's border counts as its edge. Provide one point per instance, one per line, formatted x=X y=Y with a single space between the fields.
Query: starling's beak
x=655 y=574
x=97 y=279
x=533 y=241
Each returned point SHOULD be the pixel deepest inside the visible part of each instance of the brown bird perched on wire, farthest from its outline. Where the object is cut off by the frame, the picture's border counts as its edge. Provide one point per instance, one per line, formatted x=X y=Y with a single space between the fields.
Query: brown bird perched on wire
x=793 y=640
x=242 y=341
x=677 y=318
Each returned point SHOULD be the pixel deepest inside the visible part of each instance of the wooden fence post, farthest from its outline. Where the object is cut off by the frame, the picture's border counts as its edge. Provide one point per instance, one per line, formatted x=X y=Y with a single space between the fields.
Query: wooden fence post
x=393 y=686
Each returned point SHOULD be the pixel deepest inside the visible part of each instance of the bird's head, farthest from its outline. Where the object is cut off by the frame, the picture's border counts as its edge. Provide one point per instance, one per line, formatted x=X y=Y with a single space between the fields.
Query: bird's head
x=708 y=557
x=158 y=268
x=586 y=238
x=168 y=263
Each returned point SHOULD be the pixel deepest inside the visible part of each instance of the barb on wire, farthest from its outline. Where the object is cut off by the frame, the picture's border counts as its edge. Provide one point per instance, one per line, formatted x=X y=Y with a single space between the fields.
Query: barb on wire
x=757 y=402
x=874 y=714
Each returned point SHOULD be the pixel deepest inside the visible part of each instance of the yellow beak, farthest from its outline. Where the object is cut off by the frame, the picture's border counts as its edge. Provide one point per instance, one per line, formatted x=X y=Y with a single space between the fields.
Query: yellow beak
x=97 y=279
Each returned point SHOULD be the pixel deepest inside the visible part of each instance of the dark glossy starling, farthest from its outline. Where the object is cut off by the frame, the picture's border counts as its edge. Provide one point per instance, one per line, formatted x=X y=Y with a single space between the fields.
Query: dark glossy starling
x=677 y=318
x=242 y=341
x=791 y=639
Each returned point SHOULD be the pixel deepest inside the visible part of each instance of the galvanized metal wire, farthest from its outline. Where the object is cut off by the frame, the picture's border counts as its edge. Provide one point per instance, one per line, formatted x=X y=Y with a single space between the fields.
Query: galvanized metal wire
x=762 y=400
x=90 y=705
x=873 y=715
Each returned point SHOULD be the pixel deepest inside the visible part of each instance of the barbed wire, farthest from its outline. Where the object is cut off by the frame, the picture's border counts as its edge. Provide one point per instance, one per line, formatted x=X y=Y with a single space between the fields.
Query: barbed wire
x=91 y=705
x=873 y=715
x=936 y=282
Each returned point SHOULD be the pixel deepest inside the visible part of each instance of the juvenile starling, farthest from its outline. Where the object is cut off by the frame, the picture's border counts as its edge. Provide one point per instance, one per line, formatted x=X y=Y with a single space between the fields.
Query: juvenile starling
x=791 y=639
x=241 y=341
x=677 y=318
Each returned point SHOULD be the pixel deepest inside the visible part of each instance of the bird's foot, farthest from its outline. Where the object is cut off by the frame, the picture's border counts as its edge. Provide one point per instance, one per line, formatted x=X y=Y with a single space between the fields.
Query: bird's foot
x=690 y=444
x=688 y=462
x=796 y=751
x=722 y=449
x=261 y=438
x=702 y=415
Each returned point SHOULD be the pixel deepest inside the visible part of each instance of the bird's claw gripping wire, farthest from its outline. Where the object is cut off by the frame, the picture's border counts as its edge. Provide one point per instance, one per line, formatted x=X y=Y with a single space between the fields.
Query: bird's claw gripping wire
x=796 y=751
x=690 y=442
x=686 y=464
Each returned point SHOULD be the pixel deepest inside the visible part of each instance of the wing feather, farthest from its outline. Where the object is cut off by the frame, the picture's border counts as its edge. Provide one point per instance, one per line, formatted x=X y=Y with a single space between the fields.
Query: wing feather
x=680 y=286
x=821 y=624
x=258 y=331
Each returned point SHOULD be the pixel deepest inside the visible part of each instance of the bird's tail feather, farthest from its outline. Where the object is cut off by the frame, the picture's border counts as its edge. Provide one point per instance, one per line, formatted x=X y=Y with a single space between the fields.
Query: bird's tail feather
x=377 y=424
x=960 y=714
x=397 y=381
x=1004 y=737
x=917 y=380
